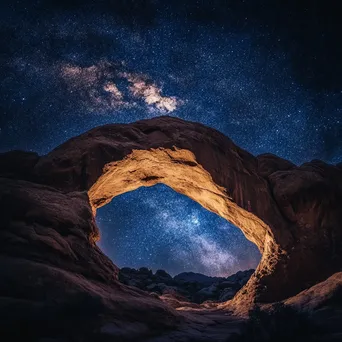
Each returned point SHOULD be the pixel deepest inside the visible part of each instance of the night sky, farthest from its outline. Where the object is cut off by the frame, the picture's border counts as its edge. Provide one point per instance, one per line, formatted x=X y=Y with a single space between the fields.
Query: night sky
x=268 y=74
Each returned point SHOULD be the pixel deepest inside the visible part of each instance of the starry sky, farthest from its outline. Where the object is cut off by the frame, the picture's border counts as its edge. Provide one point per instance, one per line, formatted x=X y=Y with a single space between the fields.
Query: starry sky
x=268 y=74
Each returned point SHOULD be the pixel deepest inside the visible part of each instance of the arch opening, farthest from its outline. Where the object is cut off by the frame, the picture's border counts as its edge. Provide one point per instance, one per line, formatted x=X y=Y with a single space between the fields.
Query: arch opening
x=158 y=228
x=179 y=169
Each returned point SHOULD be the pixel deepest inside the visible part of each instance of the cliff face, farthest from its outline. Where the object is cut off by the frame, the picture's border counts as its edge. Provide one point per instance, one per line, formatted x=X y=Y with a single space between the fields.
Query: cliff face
x=293 y=214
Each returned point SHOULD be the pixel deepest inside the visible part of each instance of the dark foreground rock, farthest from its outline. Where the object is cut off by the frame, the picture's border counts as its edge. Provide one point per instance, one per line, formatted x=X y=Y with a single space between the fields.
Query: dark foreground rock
x=314 y=314
x=55 y=281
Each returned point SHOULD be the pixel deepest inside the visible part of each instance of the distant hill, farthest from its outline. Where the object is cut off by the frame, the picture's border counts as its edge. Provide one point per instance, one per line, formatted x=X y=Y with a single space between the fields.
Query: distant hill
x=192 y=277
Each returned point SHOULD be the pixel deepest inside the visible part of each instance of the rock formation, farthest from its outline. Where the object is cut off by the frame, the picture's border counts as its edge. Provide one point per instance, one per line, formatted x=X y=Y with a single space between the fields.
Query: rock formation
x=48 y=253
x=189 y=286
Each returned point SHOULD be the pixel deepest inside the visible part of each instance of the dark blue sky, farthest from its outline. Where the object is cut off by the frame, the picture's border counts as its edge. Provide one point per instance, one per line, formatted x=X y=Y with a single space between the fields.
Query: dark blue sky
x=266 y=75
x=159 y=228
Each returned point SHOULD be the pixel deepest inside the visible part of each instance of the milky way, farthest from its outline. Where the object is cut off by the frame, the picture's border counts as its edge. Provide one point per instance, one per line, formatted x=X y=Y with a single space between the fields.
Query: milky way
x=271 y=88
x=162 y=229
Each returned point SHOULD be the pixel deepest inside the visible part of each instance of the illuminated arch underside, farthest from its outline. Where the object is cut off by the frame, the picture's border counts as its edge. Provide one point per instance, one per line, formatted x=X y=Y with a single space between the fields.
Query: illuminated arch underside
x=178 y=169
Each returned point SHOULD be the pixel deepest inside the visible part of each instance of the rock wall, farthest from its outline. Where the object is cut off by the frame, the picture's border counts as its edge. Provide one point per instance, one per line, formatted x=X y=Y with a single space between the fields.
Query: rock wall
x=54 y=280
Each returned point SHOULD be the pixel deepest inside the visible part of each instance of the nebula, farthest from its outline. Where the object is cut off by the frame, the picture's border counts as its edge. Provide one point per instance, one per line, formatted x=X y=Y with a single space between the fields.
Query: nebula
x=107 y=86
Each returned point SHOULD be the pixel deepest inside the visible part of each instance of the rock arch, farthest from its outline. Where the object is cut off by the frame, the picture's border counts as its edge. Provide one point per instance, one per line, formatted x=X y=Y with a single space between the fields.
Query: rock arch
x=291 y=213
x=178 y=169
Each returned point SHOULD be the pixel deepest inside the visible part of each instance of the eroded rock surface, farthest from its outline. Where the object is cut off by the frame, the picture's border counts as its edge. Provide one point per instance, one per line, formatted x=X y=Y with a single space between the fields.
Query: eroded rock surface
x=54 y=280
x=49 y=259
x=323 y=304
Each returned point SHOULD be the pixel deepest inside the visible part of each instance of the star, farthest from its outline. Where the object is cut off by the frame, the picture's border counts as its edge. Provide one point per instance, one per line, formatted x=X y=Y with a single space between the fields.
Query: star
x=233 y=68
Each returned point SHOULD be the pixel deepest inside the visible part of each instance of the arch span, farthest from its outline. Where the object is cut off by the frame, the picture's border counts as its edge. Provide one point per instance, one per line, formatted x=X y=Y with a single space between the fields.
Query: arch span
x=178 y=169
x=266 y=197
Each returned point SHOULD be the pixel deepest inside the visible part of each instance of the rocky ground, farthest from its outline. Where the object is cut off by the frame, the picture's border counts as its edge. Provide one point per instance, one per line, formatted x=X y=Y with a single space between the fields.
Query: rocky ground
x=188 y=286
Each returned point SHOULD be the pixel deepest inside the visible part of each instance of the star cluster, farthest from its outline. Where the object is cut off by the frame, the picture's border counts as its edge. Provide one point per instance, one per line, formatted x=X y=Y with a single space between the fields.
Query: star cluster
x=266 y=75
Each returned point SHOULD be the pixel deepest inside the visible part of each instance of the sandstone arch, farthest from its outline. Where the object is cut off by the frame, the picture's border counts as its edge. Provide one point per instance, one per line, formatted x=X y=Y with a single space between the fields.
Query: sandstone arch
x=178 y=169
x=274 y=202
x=291 y=213
x=50 y=263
